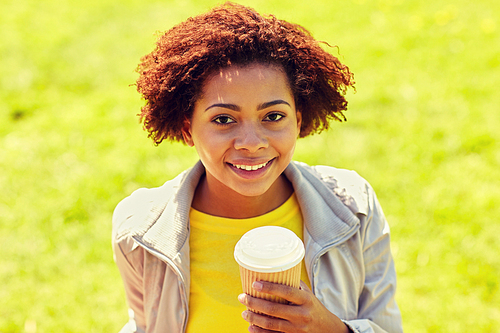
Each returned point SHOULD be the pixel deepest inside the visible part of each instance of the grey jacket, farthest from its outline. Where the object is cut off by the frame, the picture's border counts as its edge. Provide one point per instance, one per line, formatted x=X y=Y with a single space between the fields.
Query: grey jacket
x=348 y=257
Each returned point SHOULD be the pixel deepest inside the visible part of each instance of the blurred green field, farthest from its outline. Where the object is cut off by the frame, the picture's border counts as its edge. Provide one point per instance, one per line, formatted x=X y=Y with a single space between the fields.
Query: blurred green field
x=423 y=128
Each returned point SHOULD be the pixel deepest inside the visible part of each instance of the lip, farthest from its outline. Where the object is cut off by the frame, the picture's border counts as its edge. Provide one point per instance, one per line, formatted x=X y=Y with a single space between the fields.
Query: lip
x=250 y=174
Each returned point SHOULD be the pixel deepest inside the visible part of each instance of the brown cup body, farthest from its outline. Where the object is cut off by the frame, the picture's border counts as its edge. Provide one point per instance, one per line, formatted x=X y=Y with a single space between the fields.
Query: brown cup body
x=290 y=277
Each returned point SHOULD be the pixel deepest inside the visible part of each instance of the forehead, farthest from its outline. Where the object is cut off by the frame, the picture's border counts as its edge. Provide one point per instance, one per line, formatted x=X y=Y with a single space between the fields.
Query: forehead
x=248 y=77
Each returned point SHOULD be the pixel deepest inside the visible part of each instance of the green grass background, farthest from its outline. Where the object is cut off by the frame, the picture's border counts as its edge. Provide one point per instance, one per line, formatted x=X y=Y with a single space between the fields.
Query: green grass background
x=423 y=128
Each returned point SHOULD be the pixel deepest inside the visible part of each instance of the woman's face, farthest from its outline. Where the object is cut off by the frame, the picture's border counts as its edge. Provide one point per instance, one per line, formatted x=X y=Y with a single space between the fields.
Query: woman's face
x=244 y=128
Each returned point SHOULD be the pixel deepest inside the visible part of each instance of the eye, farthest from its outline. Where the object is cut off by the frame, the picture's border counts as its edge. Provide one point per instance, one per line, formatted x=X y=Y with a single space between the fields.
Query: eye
x=274 y=117
x=223 y=120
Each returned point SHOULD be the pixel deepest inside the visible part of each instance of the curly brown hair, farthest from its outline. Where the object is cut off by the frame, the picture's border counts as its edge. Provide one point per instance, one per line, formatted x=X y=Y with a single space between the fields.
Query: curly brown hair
x=172 y=76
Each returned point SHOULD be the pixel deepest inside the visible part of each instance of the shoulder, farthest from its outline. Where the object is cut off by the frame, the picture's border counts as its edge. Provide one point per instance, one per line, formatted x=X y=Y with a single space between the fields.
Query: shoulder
x=358 y=195
x=352 y=189
x=139 y=209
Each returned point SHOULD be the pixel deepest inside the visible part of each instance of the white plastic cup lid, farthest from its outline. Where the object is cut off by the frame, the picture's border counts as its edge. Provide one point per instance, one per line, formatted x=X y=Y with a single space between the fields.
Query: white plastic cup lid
x=269 y=249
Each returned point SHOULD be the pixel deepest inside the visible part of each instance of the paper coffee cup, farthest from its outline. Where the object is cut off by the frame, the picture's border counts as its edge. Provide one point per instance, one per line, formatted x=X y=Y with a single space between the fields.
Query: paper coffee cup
x=271 y=254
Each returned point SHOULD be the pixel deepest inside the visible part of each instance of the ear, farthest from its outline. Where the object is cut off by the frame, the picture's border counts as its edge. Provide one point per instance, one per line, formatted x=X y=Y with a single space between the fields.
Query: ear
x=299 y=120
x=186 y=132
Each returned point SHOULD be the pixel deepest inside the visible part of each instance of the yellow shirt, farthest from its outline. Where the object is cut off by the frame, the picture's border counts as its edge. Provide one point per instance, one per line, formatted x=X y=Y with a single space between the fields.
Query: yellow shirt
x=215 y=277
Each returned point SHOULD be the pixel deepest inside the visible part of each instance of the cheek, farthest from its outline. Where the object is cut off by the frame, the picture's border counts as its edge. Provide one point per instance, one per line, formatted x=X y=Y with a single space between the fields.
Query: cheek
x=286 y=143
x=210 y=147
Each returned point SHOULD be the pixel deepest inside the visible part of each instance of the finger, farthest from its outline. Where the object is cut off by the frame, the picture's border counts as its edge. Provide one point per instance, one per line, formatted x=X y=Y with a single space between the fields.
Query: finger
x=291 y=294
x=304 y=286
x=278 y=310
x=282 y=311
x=262 y=323
x=257 y=329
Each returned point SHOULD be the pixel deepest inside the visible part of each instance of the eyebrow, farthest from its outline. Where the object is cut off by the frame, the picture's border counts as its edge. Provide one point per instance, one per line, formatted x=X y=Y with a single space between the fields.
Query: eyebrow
x=237 y=108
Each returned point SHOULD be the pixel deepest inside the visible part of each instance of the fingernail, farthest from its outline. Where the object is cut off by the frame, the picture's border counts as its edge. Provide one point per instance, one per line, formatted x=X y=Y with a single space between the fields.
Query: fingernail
x=244 y=314
x=257 y=285
x=241 y=298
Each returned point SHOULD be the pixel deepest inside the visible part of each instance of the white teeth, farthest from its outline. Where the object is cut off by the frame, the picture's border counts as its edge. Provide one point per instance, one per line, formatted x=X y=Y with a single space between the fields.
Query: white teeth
x=250 y=167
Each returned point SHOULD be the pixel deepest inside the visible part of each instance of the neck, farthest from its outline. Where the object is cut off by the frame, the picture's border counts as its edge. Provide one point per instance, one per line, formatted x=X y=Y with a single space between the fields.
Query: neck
x=238 y=206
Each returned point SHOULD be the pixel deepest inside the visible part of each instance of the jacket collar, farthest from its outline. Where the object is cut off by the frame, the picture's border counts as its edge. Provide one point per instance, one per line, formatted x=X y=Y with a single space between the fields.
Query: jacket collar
x=167 y=226
x=326 y=218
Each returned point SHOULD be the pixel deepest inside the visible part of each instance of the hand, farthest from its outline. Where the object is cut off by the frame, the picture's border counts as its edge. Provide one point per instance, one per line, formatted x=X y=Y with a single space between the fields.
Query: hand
x=305 y=314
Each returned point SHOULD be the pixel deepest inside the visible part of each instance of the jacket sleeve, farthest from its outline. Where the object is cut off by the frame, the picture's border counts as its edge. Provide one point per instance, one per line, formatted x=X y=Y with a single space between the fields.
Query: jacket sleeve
x=378 y=311
x=130 y=261
x=132 y=280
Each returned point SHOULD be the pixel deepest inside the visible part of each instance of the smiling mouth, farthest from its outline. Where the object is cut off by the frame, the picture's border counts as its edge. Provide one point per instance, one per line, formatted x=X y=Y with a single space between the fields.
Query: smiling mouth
x=251 y=167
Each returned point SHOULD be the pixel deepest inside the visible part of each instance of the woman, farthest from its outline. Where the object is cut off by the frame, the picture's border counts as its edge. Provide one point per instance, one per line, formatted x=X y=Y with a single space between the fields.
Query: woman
x=241 y=88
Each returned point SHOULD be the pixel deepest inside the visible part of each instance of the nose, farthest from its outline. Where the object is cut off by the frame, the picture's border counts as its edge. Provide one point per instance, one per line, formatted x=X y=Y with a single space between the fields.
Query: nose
x=251 y=137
